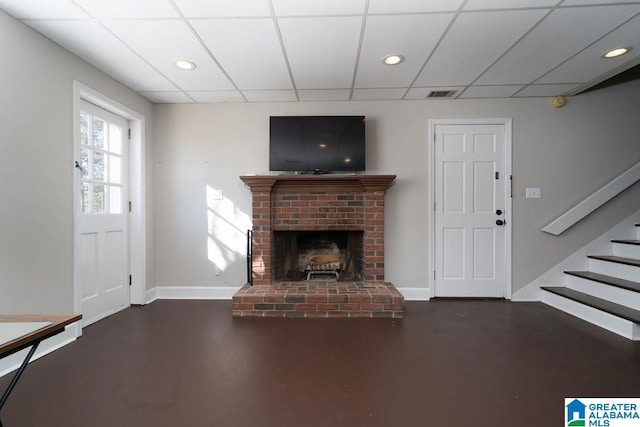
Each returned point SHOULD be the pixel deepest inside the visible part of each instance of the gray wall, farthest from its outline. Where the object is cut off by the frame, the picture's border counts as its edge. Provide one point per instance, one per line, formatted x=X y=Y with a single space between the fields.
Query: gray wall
x=199 y=240
x=36 y=167
x=568 y=152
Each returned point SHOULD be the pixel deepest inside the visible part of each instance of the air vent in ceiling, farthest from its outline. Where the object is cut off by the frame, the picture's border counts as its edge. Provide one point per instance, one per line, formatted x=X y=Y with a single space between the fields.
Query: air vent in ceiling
x=442 y=94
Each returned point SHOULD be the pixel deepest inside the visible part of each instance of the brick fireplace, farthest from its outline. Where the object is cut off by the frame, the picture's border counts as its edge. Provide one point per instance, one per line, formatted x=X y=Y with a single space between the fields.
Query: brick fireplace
x=293 y=205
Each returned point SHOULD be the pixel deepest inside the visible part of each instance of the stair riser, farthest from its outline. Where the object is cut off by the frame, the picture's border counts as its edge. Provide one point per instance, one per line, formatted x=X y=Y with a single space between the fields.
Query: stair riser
x=626 y=251
x=611 y=293
x=614 y=324
x=622 y=271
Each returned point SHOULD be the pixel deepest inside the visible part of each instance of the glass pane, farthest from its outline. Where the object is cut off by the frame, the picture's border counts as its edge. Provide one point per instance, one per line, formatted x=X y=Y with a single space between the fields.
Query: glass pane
x=115 y=139
x=115 y=169
x=84 y=128
x=98 y=132
x=85 y=195
x=115 y=200
x=98 y=166
x=84 y=162
x=98 y=199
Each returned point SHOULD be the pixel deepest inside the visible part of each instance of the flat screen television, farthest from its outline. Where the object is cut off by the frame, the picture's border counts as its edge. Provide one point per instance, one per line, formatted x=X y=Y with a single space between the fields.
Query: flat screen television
x=316 y=144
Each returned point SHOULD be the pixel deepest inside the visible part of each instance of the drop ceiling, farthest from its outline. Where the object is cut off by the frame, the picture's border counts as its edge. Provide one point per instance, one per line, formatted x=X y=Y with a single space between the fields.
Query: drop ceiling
x=332 y=50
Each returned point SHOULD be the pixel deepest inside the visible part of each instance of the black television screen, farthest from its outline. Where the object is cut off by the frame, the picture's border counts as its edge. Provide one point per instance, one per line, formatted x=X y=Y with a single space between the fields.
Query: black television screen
x=318 y=144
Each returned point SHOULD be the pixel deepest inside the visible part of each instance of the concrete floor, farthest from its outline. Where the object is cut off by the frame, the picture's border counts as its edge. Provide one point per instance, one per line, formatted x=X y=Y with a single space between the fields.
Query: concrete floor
x=447 y=363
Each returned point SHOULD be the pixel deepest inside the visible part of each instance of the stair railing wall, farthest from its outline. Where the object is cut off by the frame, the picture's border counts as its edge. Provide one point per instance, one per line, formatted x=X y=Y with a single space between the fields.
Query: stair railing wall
x=594 y=201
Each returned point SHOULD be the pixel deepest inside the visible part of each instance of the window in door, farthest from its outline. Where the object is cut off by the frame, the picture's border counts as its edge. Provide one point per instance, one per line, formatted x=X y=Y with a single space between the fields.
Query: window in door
x=101 y=159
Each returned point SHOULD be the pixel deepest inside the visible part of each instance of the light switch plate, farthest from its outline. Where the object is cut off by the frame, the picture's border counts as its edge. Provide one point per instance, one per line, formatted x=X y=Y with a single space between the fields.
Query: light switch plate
x=532 y=193
x=216 y=194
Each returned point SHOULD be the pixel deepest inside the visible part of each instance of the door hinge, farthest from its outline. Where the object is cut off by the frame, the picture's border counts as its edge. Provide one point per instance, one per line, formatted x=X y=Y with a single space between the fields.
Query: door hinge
x=497 y=175
x=434 y=275
x=129 y=134
x=130 y=280
x=434 y=206
x=129 y=205
x=511 y=186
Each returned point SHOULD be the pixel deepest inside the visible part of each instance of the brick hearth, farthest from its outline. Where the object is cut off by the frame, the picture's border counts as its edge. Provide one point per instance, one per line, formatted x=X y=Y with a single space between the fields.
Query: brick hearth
x=319 y=299
x=318 y=203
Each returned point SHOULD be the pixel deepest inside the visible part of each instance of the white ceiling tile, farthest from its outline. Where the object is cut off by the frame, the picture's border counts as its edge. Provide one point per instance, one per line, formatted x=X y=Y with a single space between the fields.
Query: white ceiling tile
x=490 y=91
x=38 y=9
x=162 y=42
x=128 y=9
x=410 y=6
x=248 y=49
x=589 y=63
x=378 y=94
x=324 y=94
x=413 y=36
x=99 y=47
x=321 y=51
x=507 y=4
x=167 y=97
x=217 y=96
x=471 y=45
x=422 y=92
x=553 y=41
x=223 y=8
x=545 y=90
x=270 y=95
x=317 y=8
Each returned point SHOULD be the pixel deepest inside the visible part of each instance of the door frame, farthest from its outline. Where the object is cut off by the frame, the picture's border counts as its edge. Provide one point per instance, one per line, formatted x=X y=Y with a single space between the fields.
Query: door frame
x=136 y=222
x=508 y=211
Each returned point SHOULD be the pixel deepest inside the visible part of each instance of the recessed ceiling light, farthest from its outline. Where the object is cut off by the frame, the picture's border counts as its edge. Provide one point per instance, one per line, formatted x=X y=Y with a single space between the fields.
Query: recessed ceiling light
x=185 y=65
x=394 y=59
x=616 y=52
x=322 y=145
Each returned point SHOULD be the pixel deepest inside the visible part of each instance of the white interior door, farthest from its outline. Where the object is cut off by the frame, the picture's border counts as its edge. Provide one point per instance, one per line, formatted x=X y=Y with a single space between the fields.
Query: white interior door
x=103 y=222
x=470 y=210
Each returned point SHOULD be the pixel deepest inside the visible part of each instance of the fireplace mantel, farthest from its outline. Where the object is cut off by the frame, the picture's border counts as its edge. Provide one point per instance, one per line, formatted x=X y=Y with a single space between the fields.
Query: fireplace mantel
x=328 y=182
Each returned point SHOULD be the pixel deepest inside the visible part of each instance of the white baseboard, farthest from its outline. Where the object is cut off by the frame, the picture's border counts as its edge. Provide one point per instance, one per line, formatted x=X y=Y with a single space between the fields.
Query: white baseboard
x=192 y=292
x=226 y=292
x=415 y=294
x=150 y=296
x=13 y=362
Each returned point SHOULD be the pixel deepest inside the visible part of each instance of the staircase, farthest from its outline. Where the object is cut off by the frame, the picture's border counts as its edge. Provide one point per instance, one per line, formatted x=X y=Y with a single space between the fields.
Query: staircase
x=608 y=295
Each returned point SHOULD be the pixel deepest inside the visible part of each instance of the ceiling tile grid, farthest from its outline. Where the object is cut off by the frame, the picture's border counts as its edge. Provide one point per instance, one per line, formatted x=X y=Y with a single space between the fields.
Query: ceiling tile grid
x=332 y=50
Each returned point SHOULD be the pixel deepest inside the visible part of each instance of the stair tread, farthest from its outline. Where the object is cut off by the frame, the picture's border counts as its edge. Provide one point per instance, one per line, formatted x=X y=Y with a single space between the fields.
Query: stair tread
x=618 y=259
x=597 y=303
x=608 y=280
x=627 y=242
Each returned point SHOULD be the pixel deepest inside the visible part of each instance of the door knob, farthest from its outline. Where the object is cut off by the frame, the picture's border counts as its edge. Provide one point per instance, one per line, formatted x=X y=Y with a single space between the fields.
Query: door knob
x=500 y=222
x=498 y=212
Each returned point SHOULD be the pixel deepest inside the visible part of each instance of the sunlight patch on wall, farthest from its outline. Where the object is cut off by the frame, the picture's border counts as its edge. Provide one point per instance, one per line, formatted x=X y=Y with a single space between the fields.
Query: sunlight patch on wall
x=227 y=230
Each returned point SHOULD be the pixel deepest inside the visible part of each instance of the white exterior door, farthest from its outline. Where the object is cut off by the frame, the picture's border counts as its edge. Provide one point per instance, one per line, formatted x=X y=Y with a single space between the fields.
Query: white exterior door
x=103 y=221
x=471 y=193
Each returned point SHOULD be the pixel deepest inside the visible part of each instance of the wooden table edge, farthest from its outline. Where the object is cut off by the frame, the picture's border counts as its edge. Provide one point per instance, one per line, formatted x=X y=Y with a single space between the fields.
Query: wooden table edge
x=58 y=323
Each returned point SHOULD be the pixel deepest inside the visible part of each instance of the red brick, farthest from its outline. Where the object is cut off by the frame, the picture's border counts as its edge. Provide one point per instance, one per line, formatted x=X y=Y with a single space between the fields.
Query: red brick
x=359 y=298
x=253 y=299
x=239 y=306
x=327 y=307
x=371 y=307
x=319 y=298
x=338 y=298
x=306 y=306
